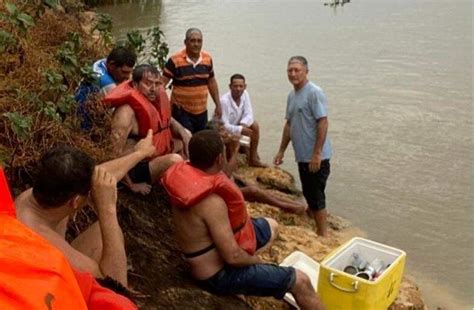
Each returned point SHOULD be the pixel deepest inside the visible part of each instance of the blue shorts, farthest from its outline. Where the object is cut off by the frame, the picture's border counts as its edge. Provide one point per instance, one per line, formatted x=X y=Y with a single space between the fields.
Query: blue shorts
x=255 y=280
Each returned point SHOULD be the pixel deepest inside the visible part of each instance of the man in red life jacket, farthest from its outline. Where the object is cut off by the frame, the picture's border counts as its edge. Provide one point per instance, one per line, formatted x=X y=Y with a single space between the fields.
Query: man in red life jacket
x=142 y=104
x=207 y=236
x=65 y=181
x=35 y=275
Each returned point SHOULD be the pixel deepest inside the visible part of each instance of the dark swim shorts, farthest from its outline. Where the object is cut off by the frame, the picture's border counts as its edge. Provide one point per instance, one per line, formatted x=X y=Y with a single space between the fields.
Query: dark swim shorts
x=255 y=280
x=314 y=184
x=140 y=173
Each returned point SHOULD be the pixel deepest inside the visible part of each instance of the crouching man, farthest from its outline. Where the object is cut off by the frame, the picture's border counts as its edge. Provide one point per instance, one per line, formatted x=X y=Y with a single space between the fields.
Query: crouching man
x=218 y=238
x=142 y=104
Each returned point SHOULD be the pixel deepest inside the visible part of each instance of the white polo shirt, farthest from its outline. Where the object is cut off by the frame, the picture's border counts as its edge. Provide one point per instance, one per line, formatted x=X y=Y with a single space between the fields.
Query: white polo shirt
x=234 y=115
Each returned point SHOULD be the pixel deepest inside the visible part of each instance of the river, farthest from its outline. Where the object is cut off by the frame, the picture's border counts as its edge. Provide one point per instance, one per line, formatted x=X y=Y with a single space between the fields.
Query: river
x=398 y=77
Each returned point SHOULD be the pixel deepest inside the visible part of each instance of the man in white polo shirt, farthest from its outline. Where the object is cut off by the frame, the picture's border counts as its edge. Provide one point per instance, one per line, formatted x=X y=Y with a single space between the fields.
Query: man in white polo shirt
x=237 y=116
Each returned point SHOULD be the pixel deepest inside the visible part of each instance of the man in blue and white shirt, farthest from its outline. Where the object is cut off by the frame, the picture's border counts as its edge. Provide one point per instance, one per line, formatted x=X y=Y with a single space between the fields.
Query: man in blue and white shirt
x=306 y=126
x=110 y=71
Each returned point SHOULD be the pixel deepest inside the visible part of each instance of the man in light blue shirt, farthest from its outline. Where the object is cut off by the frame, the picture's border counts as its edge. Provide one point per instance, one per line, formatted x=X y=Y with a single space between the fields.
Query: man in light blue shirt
x=110 y=72
x=306 y=126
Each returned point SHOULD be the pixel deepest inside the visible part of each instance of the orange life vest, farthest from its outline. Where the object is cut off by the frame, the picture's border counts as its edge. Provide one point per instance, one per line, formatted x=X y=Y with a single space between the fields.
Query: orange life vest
x=36 y=275
x=155 y=115
x=187 y=186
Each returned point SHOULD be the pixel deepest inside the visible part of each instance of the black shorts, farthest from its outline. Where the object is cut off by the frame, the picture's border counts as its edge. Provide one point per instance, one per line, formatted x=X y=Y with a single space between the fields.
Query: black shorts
x=140 y=173
x=314 y=184
x=192 y=122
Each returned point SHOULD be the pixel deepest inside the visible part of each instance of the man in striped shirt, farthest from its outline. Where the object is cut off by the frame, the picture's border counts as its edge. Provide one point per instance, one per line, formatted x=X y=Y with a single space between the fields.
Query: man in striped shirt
x=192 y=74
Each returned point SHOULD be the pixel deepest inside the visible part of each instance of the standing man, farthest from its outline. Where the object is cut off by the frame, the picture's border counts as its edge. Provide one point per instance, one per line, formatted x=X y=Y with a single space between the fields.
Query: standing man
x=237 y=116
x=192 y=72
x=306 y=126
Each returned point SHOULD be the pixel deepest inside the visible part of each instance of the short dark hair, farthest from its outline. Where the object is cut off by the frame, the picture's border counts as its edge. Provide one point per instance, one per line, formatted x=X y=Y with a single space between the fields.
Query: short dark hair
x=236 y=76
x=140 y=71
x=121 y=56
x=63 y=173
x=204 y=148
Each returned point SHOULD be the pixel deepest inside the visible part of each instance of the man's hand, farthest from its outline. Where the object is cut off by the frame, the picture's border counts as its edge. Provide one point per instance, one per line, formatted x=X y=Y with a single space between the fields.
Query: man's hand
x=140 y=188
x=218 y=111
x=246 y=131
x=145 y=145
x=315 y=163
x=104 y=191
x=278 y=159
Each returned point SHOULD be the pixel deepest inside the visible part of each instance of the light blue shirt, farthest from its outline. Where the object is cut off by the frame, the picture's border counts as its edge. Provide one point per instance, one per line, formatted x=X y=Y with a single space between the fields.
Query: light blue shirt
x=106 y=81
x=303 y=108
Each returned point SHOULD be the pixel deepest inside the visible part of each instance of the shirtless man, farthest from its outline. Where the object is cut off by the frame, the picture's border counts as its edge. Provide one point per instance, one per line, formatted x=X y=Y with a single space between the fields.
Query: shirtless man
x=206 y=225
x=128 y=122
x=67 y=179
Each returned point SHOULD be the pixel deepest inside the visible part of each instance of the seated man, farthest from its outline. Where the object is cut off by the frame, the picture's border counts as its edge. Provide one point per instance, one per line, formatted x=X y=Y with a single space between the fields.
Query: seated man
x=27 y=260
x=143 y=104
x=219 y=255
x=66 y=180
x=110 y=72
x=237 y=116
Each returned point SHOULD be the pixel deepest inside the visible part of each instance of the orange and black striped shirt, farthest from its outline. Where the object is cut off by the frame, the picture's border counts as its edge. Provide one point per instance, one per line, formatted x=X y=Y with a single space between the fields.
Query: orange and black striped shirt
x=190 y=81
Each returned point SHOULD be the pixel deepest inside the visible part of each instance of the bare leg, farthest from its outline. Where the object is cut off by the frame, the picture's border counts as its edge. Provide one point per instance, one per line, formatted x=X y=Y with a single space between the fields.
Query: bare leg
x=320 y=217
x=274 y=229
x=255 y=194
x=304 y=293
x=254 y=159
x=89 y=242
x=160 y=164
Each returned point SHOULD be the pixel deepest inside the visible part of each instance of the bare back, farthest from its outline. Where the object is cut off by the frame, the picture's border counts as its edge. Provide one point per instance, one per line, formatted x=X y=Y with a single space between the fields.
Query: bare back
x=192 y=234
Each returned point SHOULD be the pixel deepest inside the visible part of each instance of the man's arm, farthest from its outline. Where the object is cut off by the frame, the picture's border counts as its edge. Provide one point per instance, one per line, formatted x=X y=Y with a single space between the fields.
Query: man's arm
x=214 y=91
x=113 y=262
x=247 y=116
x=182 y=133
x=214 y=213
x=119 y=167
x=321 y=132
x=285 y=139
x=232 y=128
x=122 y=125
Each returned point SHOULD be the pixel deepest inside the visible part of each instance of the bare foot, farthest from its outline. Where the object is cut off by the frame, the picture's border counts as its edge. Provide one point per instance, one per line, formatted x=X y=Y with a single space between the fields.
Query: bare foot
x=257 y=163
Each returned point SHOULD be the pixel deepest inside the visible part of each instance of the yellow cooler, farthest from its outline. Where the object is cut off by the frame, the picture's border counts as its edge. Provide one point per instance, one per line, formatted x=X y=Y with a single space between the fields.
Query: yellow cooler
x=341 y=290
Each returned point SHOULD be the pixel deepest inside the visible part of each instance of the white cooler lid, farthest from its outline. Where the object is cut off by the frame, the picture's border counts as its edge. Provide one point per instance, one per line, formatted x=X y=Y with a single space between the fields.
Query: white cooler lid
x=303 y=262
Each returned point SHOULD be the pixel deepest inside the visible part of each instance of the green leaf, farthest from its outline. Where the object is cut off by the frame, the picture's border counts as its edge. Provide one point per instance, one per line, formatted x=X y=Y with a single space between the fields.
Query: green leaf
x=51 y=3
x=6 y=40
x=26 y=19
x=20 y=124
x=11 y=8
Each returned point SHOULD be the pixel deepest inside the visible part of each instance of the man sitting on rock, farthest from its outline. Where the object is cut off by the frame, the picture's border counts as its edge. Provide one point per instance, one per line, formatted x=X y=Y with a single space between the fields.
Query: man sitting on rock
x=216 y=234
x=143 y=104
x=67 y=179
x=237 y=116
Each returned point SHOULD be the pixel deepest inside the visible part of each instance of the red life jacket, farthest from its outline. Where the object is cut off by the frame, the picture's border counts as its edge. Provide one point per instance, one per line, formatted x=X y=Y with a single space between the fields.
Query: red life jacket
x=187 y=186
x=155 y=115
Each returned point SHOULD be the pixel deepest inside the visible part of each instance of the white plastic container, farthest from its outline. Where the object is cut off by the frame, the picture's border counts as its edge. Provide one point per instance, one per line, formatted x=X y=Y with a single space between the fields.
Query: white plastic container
x=303 y=262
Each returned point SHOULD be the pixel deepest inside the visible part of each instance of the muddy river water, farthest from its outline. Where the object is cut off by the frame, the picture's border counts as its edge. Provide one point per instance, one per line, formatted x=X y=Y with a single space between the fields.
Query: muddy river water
x=398 y=77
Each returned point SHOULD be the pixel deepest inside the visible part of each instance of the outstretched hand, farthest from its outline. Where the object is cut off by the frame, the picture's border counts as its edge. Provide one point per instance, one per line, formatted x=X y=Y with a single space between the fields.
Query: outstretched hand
x=145 y=145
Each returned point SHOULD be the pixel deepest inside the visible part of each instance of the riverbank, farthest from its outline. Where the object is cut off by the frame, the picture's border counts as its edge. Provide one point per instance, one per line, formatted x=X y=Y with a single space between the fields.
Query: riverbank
x=157 y=271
